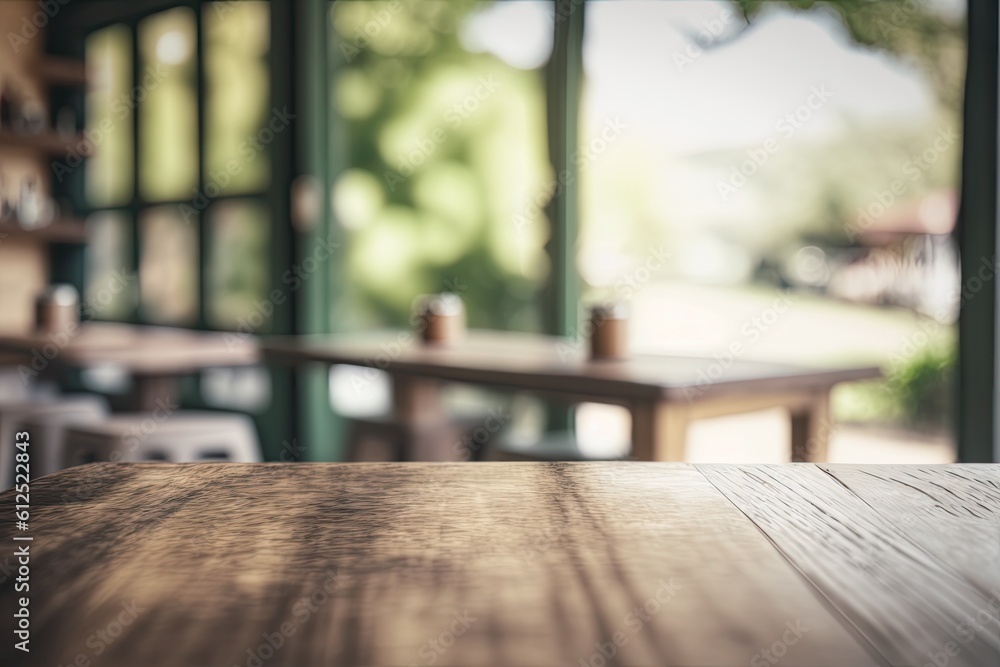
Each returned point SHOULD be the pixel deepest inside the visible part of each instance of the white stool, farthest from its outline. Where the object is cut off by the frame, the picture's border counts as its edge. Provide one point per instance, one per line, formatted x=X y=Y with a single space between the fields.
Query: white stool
x=45 y=410
x=181 y=437
x=47 y=430
x=12 y=387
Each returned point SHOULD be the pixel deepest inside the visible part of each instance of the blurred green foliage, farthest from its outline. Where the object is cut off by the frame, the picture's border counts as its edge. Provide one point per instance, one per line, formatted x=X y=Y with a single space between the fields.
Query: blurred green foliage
x=445 y=147
x=917 y=392
x=430 y=204
x=921 y=387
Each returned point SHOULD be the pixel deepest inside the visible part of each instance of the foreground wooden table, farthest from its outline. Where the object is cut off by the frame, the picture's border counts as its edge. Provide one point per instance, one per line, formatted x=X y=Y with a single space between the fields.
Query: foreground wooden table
x=663 y=393
x=154 y=356
x=510 y=564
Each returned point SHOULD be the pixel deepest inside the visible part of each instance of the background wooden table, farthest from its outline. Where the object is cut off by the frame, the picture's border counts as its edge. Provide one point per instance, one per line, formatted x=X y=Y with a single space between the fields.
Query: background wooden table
x=511 y=564
x=154 y=356
x=663 y=393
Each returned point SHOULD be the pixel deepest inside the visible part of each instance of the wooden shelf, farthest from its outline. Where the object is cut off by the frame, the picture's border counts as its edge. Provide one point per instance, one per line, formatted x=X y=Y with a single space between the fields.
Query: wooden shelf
x=58 y=71
x=47 y=142
x=60 y=230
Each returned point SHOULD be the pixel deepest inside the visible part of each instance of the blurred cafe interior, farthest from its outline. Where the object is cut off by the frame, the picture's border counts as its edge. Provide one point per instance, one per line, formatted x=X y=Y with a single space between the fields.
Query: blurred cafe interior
x=712 y=231
x=499 y=332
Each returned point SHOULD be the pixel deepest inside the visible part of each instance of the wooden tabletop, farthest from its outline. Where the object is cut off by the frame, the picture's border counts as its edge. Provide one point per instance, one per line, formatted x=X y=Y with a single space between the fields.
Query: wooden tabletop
x=139 y=349
x=547 y=363
x=510 y=564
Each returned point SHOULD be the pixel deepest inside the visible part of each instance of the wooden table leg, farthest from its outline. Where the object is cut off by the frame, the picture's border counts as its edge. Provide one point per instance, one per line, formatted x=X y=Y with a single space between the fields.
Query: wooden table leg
x=419 y=411
x=659 y=430
x=811 y=428
x=417 y=400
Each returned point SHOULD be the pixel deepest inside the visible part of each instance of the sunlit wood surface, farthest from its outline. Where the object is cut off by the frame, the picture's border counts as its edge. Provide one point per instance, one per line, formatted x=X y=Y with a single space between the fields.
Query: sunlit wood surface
x=520 y=564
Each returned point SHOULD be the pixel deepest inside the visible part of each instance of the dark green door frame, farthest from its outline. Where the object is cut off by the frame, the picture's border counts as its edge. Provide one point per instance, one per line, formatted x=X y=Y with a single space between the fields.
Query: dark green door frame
x=319 y=429
x=564 y=75
x=563 y=79
x=977 y=239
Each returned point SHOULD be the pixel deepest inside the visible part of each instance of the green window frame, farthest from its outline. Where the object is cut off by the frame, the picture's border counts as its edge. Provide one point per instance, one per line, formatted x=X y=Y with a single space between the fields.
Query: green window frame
x=196 y=208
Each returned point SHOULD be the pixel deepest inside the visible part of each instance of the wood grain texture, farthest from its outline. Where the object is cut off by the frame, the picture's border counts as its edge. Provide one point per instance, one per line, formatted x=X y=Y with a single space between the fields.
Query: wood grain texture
x=911 y=608
x=550 y=364
x=951 y=513
x=413 y=564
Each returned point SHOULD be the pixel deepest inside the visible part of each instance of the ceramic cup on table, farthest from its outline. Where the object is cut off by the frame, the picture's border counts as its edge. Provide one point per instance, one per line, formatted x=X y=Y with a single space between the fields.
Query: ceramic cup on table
x=608 y=331
x=440 y=318
x=57 y=309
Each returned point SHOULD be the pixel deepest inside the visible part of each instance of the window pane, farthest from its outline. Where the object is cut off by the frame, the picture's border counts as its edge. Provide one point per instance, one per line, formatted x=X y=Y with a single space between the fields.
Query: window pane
x=168 y=120
x=444 y=104
x=168 y=266
x=110 y=291
x=238 y=266
x=110 y=172
x=784 y=187
x=237 y=92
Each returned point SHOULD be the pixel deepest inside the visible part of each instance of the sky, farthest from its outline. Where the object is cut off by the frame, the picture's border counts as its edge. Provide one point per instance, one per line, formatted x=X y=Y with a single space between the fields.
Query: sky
x=644 y=64
x=645 y=68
